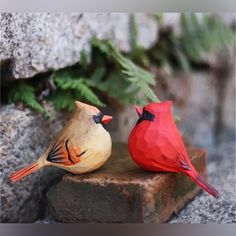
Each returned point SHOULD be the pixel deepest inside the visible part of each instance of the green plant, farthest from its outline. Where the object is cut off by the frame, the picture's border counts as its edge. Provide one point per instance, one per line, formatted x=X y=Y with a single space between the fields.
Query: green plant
x=139 y=79
x=23 y=92
x=138 y=54
x=112 y=75
x=198 y=36
x=71 y=87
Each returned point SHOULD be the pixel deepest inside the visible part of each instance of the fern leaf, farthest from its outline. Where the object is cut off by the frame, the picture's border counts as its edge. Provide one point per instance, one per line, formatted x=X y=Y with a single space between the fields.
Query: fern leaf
x=201 y=36
x=133 y=34
x=87 y=93
x=25 y=93
x=97 y=76
x=83 y=58
x=133 y=73
x=147 y=91
x=183 y=60
x=79 y=85
x=63 y=100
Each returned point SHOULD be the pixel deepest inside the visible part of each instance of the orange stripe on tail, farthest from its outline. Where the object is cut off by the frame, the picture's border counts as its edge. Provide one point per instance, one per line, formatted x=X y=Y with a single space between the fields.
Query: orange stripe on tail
x=19 y=174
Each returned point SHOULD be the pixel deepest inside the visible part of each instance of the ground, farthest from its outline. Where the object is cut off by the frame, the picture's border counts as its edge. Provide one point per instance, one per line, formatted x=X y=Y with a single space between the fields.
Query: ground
x=221 y=174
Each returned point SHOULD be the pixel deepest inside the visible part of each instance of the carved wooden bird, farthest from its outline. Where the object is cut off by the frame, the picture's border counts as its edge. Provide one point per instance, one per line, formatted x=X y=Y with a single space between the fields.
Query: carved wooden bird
x=82 y=146
x=155 y=144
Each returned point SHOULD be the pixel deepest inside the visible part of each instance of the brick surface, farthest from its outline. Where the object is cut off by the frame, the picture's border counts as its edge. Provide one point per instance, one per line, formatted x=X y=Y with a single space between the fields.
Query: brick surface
x=122 y=192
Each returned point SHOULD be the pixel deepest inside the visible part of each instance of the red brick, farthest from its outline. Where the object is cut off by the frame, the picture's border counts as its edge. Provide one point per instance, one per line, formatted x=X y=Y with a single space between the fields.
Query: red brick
x=122 y=192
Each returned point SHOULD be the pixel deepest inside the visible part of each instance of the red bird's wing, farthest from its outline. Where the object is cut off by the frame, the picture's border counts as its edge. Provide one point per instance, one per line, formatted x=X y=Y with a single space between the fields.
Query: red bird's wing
x=62 y=152
x=172 y=155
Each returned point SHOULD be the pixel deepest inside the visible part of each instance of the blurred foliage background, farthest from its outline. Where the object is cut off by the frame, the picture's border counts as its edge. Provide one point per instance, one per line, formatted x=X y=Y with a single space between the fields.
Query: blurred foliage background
x=114 y=78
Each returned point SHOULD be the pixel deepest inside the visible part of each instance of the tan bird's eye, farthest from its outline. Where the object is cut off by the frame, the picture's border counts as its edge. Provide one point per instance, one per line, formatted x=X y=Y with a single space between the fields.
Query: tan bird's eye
x=98 y=118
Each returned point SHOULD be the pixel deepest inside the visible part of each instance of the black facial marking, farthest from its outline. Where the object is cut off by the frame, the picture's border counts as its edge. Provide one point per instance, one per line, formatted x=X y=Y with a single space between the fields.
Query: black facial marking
x=98 y=118
x=146 y=115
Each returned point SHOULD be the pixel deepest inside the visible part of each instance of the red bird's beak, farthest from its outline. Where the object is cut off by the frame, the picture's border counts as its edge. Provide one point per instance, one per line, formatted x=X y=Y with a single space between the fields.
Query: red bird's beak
x=106 y=119
x=139 y=110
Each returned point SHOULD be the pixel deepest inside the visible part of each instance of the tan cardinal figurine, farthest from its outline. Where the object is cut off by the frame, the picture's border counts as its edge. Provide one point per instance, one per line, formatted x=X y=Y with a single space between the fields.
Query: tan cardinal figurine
x=82 y=146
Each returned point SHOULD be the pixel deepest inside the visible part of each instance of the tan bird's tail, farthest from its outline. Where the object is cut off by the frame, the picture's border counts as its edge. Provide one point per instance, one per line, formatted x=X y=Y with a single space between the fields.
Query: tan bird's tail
x=19 y=174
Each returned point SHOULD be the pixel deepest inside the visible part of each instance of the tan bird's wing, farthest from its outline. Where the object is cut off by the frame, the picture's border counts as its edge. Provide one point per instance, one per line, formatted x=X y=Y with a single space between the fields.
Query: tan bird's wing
x=62 y=152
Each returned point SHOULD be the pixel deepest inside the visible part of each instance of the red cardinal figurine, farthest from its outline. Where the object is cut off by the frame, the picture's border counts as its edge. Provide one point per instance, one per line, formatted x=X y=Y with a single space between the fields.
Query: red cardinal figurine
x=155 y=144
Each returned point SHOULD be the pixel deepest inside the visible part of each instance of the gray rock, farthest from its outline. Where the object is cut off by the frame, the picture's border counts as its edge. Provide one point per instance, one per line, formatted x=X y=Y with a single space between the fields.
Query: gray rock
x=39 y=42
x=147 y=30
x=195 y=100
x=171 y=20
x=221 y=172
x=229 y=102
x=228 y=18
x=205 y=104
x=24 y=136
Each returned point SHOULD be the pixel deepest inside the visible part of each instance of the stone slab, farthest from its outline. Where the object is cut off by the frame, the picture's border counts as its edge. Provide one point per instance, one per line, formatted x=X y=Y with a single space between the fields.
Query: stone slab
x=34 y=43
x=122 y=192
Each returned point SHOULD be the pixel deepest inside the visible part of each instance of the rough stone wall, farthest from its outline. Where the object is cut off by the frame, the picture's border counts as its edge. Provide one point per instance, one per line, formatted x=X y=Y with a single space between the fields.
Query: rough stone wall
x=33 y=43
x=39 y=42
x=205 y=105
x=24 y=136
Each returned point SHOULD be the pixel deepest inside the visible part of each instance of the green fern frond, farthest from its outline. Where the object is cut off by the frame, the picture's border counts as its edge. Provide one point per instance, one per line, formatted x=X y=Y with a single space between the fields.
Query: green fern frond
x=83 y=58
x=138 y=53
x=63 y=99
x=203 y=35
x=25 y=93
x=183 y=60
x=133 y=73
x=65 y=82
x=88 y=93
x=133 y=34
x=129 y=68
x=147 y=91
x=96 y=77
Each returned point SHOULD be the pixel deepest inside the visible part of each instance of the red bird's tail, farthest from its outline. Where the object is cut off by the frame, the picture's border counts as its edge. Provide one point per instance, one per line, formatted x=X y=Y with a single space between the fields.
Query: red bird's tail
x=19 y=174
x=202 y=183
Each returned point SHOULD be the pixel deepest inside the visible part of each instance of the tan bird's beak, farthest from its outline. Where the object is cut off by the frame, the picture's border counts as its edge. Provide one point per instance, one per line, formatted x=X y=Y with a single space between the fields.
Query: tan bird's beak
x=106 y=119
